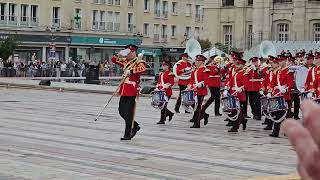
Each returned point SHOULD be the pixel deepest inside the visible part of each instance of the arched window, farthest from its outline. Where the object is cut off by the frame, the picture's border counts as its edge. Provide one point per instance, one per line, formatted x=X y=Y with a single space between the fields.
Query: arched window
x=316 y=31
x=283 y=32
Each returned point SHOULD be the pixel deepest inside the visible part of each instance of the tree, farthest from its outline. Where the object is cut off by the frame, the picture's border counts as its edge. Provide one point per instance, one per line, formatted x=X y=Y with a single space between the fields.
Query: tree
x=7 y=47
x=225 y=48
x=205 y=44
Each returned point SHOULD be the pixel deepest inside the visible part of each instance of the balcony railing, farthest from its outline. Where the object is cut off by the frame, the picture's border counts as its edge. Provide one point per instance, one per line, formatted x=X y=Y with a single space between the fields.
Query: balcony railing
x=24 y=21
x=109 y=26
x=34 y=21
x=56 y=22
x=13 y=20
x=95 y=25
x=164 y=38
x=197 y=18
x=3 y=19
x=156 y=38
x=130 y=27
x=102 y=26
x=116 y=27
x=165 y=14
x=157 y=12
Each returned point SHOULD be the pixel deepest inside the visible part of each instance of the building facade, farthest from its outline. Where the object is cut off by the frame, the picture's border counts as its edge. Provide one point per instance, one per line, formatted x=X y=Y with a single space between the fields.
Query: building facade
x=96 y=29
x=244 y=24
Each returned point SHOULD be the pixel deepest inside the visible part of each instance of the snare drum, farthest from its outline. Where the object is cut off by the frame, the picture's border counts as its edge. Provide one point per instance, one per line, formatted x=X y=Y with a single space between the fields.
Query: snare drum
x=230 y=103
x=277 y=103
x=188 y=97
x=158 y=99
x=306 y=95
x=264 y=103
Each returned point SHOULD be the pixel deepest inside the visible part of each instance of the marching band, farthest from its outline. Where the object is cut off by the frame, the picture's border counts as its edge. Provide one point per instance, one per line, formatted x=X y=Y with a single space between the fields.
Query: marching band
x=270 y=85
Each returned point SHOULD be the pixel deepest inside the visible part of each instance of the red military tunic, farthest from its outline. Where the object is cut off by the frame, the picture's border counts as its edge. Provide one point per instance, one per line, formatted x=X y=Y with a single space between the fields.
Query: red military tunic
x=181 y=66
x=238 y=80
x=166 y=77
x=254 y=80
x=283 y=77
x=200 y=75
x=270 y=75
x=310 y=79
x=214 y=79
x=131 y=85
x=316 y=84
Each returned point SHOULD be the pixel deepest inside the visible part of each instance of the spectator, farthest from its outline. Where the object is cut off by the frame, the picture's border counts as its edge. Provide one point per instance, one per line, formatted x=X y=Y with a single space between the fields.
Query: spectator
x=63 y=69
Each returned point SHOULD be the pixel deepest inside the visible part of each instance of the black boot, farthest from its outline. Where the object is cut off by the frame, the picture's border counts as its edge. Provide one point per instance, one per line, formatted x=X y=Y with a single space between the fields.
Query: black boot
x=170 y=116
x=268 y=127
x=218 y=114
x=244 y=124
x=195 y=126
x=125 y=138
x=230 y=123
x=134 y=131
x=274 y=135
x=206 y=117
x=161 y=122
x=233 y=129
x=176 y=110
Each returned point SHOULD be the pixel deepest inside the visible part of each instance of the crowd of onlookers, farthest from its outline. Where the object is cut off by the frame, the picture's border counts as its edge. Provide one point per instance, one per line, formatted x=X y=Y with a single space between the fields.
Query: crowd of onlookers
x=39 y=68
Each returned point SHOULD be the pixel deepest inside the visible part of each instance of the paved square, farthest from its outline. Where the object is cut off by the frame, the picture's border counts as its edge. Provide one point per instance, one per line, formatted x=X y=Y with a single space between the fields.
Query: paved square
x=47 y=135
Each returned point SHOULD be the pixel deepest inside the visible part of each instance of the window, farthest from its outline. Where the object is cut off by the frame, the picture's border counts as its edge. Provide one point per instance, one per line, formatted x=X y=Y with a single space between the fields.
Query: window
x=110 y=2
x=165 y=9
x=197 y=33
x=281 y=1
x=188 y=10
x=130 y=22
x=250 y=2
x=130 y=3
x=110 y=21
x=164 y=33
x=24 y=19
x=77 y=18
x=102 y=24
x=250 y=36
x=156 y=37
x=227 y=35
x=147 y=5
x=117 y=21
x=316 y=32
x=197 y=16
x=56 y=17
x=3 y=13
x=174 y=8
x=145 y=29
x=34 y=15
x=95 y=20
x=227 y=2
x=173 y=30
x=283 y=32
x=12 y=14
x=157 y=8
x=96 y=1
x=188 y=32
x=117 y=2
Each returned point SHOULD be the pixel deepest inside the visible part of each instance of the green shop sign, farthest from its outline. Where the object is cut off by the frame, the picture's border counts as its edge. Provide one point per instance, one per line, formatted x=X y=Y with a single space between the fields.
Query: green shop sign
x=150 y=52
x=104 y=41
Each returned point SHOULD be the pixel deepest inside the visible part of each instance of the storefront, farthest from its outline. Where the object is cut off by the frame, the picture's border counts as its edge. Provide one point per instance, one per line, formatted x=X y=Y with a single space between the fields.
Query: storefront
x=37 y=47
x=152 y=57
x=173 y=54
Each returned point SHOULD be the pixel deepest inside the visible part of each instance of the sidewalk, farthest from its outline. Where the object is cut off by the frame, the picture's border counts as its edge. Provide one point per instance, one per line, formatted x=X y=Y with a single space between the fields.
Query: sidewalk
x=77 y=87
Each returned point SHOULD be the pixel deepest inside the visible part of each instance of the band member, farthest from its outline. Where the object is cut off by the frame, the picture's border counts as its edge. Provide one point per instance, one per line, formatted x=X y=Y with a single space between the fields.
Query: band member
x=282 y=84
x=214 y=83
x=236 y=87
x=311 y=73
x=253 y=86
x=270 y=75
x=294 y=92
x=184 y=67
x=316 y=84
x=165 y=82
x=129 y=89
x=198 y=82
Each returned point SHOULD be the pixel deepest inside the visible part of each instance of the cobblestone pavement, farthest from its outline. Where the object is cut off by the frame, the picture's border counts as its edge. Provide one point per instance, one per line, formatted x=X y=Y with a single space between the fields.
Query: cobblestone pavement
x=50 y=135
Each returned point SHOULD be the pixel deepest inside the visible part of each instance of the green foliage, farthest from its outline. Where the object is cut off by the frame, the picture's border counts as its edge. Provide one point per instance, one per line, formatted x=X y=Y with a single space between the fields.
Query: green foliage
x=7 y=47
x=225 y=48
x=205 y=43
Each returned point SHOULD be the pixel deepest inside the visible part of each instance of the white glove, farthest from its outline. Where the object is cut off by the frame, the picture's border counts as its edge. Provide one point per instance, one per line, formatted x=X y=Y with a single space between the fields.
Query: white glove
x=309 y=95
x=166 y=86
x=200 y=84
x=238 y=90
x=253 y=67
x=156 y=89
x=269 y=95
x=303 y=90
x=225 y=93
x=282 y=89
x=124 y=52
x=127 y=72
x=261 y=92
